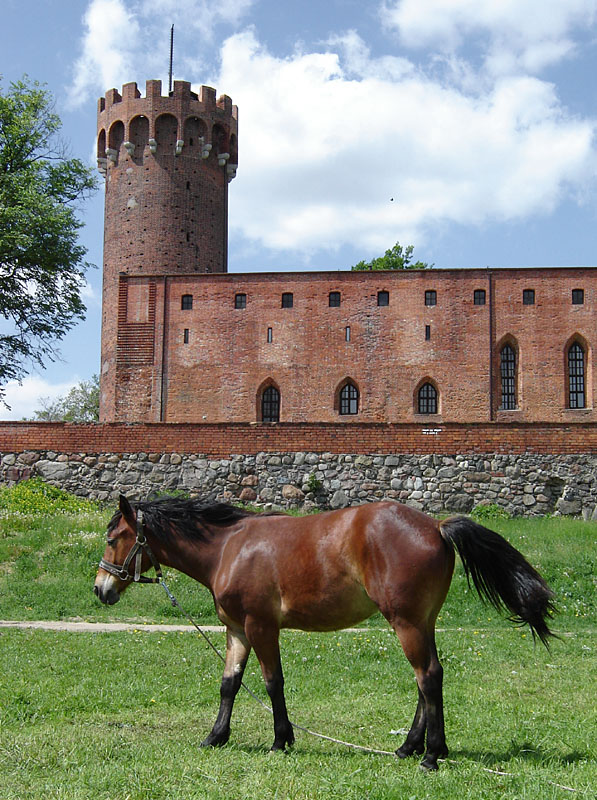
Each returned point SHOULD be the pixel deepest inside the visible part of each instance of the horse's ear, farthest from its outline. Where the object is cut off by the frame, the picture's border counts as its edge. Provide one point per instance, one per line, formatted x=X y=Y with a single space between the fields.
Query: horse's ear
x=126 y=510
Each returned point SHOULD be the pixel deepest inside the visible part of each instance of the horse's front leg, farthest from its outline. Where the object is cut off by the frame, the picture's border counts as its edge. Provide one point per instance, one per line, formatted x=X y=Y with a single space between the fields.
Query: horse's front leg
x=264 y=638
x=237 y=653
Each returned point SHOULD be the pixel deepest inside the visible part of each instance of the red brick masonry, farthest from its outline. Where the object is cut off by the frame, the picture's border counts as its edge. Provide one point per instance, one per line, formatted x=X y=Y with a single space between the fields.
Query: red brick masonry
x=223 y=440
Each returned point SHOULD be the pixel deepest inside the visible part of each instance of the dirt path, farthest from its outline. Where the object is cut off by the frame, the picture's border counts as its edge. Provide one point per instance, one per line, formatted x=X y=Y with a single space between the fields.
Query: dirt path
x=102 y=627
x=144 y=627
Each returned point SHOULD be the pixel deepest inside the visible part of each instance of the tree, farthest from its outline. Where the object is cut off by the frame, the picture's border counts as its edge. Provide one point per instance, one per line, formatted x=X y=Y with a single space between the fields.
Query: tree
x=397 y=257
x=42 y=265
x=80 y=404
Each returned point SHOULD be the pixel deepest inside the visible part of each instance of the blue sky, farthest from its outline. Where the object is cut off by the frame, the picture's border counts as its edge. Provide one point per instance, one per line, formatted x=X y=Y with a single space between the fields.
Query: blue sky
x=477 y=117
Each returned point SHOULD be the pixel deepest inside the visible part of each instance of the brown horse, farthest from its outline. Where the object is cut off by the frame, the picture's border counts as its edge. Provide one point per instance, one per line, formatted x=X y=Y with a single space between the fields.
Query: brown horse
x=322 y=573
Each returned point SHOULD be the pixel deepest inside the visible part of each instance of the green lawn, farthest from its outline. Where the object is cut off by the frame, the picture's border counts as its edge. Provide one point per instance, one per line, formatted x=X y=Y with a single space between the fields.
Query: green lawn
x=120 y=716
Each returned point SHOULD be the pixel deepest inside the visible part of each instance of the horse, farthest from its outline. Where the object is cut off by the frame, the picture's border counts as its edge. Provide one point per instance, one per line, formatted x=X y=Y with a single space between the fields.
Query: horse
x=324 y=572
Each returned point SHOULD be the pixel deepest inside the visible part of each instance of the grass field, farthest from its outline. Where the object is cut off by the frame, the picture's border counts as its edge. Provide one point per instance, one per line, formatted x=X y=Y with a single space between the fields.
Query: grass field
x=120 y=716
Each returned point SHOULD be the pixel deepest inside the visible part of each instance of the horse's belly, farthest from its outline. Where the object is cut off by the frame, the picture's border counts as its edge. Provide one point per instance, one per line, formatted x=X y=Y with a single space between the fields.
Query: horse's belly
x=329 y=612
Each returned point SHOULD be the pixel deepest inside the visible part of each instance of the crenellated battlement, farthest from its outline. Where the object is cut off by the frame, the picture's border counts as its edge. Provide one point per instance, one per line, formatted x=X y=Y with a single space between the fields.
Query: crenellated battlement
x=182 y=122
x=182 y=95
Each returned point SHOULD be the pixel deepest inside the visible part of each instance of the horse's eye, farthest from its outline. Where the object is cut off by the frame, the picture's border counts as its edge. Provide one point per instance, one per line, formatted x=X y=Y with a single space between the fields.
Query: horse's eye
x=111 y=542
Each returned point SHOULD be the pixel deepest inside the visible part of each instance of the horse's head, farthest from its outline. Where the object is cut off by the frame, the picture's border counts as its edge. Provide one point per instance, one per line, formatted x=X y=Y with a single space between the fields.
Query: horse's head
x=126 y=550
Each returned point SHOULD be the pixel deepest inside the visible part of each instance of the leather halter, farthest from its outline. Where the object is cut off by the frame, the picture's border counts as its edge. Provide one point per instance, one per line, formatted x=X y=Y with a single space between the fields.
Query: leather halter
x=136 y=552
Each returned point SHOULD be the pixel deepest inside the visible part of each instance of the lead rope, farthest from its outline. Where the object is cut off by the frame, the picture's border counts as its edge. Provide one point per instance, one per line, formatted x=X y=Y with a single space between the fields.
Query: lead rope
x=176 y=604
x=200 y=630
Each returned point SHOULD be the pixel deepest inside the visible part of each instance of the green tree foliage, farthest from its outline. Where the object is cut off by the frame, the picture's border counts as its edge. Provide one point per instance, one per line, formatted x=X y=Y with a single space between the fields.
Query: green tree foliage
x=42 y=265
x=397 y=257
x=80 y=404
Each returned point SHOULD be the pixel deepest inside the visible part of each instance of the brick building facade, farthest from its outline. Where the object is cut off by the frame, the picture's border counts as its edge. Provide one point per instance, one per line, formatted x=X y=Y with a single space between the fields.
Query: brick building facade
x=184 y=341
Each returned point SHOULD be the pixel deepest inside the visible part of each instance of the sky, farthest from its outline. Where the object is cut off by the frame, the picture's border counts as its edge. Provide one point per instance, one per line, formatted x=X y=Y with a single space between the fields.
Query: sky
x=463 y=127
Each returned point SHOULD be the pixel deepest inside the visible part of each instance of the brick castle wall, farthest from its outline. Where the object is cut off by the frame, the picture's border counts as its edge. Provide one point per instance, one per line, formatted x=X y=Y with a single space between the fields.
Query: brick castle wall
x=216 y=371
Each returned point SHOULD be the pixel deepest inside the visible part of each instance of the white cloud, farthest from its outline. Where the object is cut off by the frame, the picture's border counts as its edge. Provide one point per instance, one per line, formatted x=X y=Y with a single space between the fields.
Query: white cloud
x=89 y=294
x=124 y=39
x=328 y=138
x=515 y=34
x=23 y=398
x=323 y=151
x=111 y=38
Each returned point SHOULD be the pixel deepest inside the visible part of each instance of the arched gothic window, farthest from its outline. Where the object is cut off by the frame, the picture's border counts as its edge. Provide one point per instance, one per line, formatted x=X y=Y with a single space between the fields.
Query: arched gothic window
x=270 y=405
x=349 y=399
x=427 y=399
x=576 y=376
x=507 y=378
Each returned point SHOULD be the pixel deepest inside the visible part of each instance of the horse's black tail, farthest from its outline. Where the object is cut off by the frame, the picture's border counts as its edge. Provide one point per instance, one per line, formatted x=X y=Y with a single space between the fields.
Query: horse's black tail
x=501 y=574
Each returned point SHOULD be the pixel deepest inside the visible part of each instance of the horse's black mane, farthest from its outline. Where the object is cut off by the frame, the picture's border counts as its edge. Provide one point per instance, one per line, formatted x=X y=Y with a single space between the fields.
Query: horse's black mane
x=187 y=517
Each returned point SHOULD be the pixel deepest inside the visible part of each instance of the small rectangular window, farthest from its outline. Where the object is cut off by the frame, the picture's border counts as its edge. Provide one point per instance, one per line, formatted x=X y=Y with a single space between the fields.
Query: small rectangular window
x=270 y=336
x=186 y=302
x=479 y=297
x=430 y=297
x=287 y=300
x=185 y=336
x=240 y=300
x=427 y=332
x=347 y=333
x=383 y=298
x=578 y=297
x=528 y=297
x=334 y=299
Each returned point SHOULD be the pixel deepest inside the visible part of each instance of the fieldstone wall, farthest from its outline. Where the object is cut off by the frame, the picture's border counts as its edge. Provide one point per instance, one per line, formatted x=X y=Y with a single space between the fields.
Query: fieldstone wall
x=523 y=485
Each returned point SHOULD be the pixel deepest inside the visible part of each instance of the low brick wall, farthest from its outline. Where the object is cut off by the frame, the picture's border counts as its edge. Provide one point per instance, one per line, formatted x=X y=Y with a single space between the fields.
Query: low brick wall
x=225 y=439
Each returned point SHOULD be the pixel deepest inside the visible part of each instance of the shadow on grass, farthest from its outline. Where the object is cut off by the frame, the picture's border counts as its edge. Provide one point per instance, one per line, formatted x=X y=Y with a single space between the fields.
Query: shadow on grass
x=525 y=752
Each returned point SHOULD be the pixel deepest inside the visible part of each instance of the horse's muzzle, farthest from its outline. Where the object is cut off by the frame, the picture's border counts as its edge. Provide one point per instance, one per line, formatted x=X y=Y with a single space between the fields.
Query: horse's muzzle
x=107 y=595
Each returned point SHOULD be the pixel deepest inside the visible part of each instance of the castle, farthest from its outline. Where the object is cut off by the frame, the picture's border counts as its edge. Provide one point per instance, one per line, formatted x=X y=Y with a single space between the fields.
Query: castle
x=183 y=340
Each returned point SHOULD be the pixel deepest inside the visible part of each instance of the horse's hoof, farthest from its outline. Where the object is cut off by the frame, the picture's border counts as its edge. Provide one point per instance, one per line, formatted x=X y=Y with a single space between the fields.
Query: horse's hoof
x=215 y=741
x=428 y=765
x=409 y=750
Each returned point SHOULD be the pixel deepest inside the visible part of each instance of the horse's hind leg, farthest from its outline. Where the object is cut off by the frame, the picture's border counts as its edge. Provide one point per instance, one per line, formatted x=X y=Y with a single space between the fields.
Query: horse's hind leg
x=418 y=644
x=264 y=638
x=415 y=741
x=237 y=653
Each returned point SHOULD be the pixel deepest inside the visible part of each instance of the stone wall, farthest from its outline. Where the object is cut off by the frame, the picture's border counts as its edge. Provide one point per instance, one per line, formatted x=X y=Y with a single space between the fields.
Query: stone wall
x=523 y=485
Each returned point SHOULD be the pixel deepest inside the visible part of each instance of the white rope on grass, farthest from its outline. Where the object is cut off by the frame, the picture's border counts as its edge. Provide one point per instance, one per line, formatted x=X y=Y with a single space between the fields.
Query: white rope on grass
x=360 y=747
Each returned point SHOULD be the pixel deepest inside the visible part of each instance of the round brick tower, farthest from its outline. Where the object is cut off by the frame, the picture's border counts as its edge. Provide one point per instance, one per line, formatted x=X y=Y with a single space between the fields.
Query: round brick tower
x=167 y=162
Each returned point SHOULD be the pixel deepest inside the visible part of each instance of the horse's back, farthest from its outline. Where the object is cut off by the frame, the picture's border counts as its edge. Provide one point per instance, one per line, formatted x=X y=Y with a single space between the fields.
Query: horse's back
x=330 y=570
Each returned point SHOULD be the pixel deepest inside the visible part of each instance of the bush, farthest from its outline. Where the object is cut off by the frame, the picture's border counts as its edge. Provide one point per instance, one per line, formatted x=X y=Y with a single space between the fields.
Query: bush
x=489 y=512
x=33 y=496
x=313 y=484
